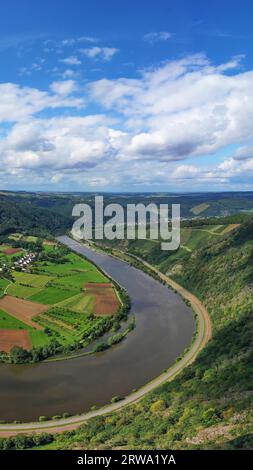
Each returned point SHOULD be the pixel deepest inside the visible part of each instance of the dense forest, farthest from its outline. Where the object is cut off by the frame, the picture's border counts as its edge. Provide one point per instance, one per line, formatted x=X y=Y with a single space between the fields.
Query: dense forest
x=23 y=216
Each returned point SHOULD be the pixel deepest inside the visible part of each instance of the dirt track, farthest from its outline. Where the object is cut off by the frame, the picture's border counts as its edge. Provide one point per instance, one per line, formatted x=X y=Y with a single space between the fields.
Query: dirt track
x=204 y=334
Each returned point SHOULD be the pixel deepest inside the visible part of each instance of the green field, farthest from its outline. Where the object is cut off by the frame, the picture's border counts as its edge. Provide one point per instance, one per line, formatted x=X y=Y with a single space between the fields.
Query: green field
x=31 y=239
x=4 y=283
x=33 y=280
x=73 y=265
x=79 y=303
x=196 y=210
x=19 y=236
x=39 y=338
x=74 y=273
x=8 y=322
x=15 y=236
x=23 y=292
x=52 y=295
x=79 y=280
x=57 y=279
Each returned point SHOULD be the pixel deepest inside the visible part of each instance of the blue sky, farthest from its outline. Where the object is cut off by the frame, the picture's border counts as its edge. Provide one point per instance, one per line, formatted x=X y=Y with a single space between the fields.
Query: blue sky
x=109 y=95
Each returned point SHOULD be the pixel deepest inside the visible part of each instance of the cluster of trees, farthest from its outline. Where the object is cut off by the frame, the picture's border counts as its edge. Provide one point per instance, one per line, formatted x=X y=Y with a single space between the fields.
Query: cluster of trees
x=18 y=355
x=21 y=441
x=36 y=245
x=56 y=256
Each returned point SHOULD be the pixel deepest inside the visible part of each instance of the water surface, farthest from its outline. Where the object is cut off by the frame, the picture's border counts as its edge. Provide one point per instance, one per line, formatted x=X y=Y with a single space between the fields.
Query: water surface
x=164 y=328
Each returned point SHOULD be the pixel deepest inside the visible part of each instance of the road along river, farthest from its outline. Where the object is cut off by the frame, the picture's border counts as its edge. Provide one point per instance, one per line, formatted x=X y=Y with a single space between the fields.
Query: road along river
x=164 y=328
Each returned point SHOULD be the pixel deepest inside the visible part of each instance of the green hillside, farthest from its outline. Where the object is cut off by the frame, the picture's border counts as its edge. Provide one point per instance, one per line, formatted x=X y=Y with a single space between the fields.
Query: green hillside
x=23 y=216
x=194 y=236
x=210 y=404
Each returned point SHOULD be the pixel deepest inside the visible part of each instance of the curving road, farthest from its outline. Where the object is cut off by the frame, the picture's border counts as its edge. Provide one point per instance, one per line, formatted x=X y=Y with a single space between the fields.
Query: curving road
x=203 y=336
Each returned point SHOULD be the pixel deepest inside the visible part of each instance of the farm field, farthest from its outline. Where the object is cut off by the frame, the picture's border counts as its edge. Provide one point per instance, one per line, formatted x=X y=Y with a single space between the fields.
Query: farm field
x=20 y=236
x=33 y=280
x=18 y=337
x=105 y=298
x=23 y=310
x=9 y=254
x=21 y=291
x=60 y=301
x=4 y=247
x=78 y=303
x=8 y=322
x=12 y=251
x=196 y=210
x=3 y=284
x=52 y=295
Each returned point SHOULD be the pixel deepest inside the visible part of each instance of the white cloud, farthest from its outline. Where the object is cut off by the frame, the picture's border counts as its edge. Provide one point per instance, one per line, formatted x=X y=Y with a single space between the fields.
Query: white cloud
x=157 y=36
x=244 y=153
x=68 y=74
x=60 y=143
x=102 y=53
x=186 y=172
x=184 y=108
x=71 y=60
x=18 y=103
x=64 y=87
x=167 y=118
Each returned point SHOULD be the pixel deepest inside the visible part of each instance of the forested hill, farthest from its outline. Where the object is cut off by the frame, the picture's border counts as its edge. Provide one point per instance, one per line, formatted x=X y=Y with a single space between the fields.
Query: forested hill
x=210 y=404
x=22 y=216
x=222 y=275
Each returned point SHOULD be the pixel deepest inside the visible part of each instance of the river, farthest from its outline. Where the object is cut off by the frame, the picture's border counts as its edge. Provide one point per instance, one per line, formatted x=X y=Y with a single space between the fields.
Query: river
x=164 y=328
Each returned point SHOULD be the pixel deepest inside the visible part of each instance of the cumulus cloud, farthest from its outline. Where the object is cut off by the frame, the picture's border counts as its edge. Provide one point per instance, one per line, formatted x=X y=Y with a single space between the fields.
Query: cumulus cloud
x=60 y=143
x=185 y=108
x=152 y=129
x=18 y=103
x=244 y=153
x=102 y=53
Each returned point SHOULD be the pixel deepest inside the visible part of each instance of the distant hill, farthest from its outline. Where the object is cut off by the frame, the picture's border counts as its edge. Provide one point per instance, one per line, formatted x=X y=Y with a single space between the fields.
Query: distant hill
x=192 y=204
